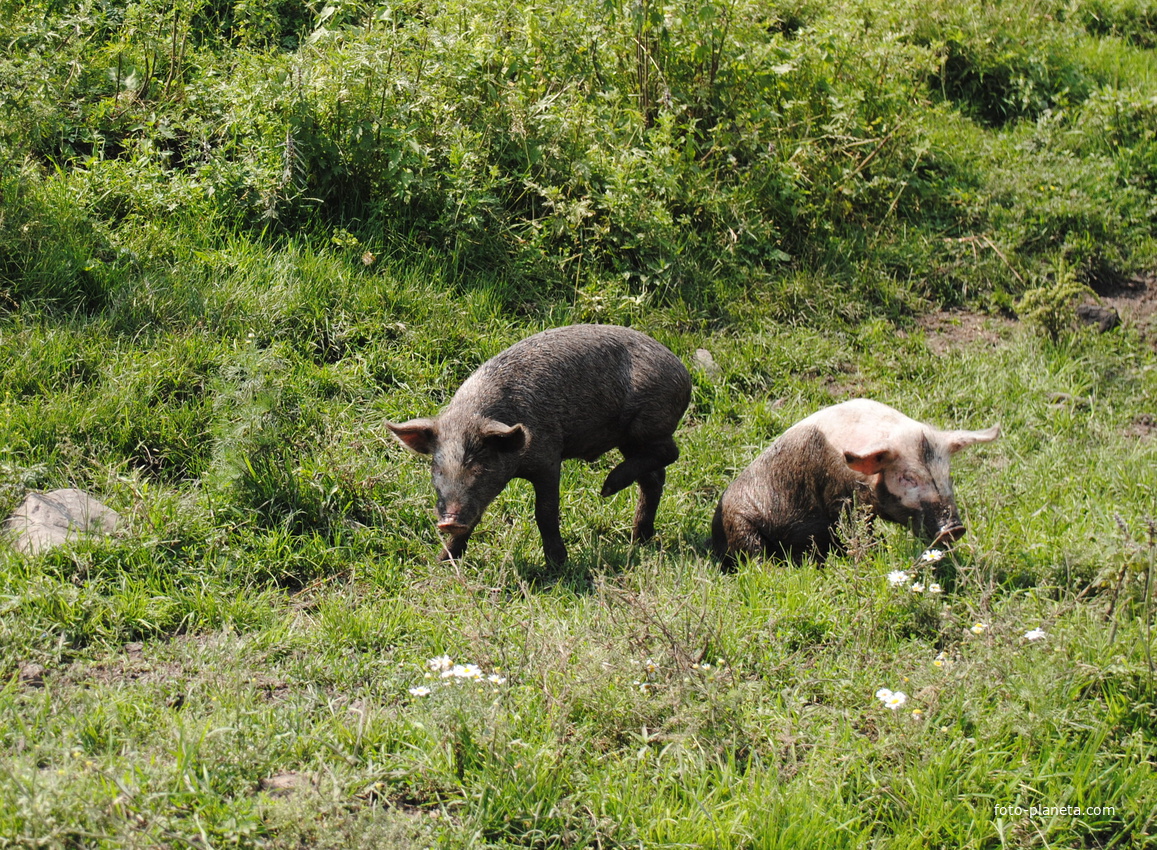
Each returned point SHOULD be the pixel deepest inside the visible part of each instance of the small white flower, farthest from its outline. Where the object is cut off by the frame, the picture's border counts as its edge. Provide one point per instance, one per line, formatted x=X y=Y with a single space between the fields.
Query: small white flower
x=898 y=577
x=979 y=628
x=931 y=556
x=495 y=679
x=463 y=671
x=935 y=588
x=940 y=660
x=917 y=714
x=1034 y=634
x=420 y=691
x=917 y=587
x=650 y=666
x=891 y=699
x=440 y=664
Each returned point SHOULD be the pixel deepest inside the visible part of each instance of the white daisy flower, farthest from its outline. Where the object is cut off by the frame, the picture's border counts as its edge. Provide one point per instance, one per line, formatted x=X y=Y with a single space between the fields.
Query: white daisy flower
x=463 y=671
x=891 y=699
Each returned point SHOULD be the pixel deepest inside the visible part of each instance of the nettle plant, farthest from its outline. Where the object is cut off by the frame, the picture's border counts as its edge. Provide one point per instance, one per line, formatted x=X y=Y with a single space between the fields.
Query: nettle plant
x=1051 y=306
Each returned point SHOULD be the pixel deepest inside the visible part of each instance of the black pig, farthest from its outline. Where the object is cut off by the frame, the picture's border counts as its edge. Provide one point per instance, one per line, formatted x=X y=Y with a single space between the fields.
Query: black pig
x=571 y=392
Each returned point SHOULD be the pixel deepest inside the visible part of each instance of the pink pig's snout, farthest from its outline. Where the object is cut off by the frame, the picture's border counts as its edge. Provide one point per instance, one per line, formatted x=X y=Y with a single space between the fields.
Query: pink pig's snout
x=950 y=534
x=451 y=516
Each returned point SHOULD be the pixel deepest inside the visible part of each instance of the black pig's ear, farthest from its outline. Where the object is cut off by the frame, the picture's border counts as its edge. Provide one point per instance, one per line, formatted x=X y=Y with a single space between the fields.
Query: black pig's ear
x=870 y=462
x=505 y=438
x=417 y=435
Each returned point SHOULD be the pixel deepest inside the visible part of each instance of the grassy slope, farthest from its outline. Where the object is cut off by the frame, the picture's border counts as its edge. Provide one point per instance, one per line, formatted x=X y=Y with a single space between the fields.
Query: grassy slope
x=277 y=598
x=219 y=647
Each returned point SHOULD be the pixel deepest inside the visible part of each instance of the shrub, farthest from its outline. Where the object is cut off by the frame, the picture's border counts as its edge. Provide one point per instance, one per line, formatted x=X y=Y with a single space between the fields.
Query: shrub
x=1002 y=61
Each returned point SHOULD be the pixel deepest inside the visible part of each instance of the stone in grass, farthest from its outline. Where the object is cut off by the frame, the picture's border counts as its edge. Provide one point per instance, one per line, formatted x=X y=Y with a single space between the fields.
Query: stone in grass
x=706 y=362
x=1105 y=318
x=285 y=783
x=46 y=520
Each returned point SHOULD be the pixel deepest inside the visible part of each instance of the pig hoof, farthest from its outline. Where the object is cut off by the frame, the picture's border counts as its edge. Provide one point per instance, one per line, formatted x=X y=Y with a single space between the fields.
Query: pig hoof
x=556 y=555
x=619 y=479
x=451 y=554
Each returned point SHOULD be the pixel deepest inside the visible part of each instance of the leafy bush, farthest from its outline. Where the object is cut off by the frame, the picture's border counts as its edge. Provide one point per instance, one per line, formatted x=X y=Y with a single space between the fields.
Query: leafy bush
x=643 y=154
x=1003 y=61
x=1133 y=20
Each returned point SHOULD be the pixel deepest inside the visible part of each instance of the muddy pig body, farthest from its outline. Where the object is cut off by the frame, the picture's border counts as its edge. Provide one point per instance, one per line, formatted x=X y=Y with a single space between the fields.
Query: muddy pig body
x=570 y=392
x=790 y=499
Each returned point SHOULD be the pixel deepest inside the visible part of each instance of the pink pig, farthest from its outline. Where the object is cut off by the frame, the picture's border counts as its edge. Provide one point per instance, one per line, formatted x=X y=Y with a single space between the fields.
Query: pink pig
x=790 y=499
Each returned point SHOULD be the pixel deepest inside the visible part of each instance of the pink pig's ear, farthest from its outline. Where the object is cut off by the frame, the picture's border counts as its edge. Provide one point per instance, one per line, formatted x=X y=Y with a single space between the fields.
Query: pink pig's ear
x=870 y=463
x=957 y=440
x=417 y=435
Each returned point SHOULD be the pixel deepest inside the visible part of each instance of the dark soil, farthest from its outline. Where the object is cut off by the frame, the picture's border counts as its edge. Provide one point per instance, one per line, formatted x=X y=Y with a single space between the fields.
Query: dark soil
x=1134 y=299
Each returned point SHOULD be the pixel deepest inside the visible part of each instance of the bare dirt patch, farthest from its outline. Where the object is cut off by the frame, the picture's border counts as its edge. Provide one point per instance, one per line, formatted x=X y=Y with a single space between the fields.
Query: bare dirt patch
x=1143 y=427
x=1134 y=298
x=285 y=783
x=949 y=330
x=131 y=666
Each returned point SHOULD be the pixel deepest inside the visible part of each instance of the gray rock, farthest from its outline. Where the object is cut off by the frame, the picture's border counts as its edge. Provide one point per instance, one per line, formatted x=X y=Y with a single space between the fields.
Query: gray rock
x=706 y=362
x=1105 y=318
x=45 y=520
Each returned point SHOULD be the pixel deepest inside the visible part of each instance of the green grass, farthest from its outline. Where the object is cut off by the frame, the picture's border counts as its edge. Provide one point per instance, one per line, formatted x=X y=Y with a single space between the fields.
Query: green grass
x=237 y=239
x=274 y=602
